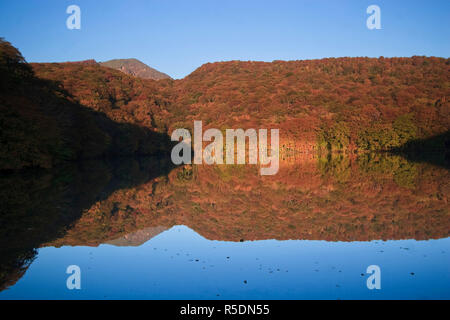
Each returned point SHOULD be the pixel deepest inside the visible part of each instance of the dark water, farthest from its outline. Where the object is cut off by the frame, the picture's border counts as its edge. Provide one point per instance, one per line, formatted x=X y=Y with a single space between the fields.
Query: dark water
x=144 y=229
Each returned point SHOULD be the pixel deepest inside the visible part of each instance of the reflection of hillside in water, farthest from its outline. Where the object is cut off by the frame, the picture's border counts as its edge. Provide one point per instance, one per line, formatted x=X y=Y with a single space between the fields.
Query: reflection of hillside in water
x=334 y=199
x=40 y=206
x=128 y=202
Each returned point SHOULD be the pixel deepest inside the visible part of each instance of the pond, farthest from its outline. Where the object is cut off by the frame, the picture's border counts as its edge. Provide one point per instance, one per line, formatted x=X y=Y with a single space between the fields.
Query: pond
x=144 y=229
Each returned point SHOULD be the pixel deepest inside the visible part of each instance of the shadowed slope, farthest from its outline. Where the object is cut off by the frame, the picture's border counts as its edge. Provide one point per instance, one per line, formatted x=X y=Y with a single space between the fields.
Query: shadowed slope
x=435 y=150
x=43 y=125
x=38 y=206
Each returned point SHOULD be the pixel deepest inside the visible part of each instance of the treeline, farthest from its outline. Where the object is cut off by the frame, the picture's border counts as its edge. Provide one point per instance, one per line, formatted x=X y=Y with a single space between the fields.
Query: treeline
x=342 y=104
x=375 y=137
x=42 y=125
x=337 y=104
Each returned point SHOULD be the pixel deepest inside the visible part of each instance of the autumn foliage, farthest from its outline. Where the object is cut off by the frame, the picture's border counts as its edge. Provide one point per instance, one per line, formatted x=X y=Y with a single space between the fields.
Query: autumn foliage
x=333 y=104
x=43 y=125
x=337 y=104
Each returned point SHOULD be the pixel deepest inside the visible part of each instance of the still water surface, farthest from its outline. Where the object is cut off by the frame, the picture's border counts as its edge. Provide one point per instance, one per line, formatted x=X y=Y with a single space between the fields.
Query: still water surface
x=140 y=229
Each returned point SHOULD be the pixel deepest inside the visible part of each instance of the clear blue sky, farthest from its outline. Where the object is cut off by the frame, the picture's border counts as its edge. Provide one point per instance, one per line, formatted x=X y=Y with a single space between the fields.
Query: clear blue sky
x=177 y=37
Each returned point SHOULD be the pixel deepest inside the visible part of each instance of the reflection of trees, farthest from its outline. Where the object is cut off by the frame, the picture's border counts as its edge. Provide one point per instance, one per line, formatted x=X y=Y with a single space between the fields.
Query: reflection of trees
x=14 y=267
x=335 y=198
x=435 y=150
x=40 y=206
x=331 y=198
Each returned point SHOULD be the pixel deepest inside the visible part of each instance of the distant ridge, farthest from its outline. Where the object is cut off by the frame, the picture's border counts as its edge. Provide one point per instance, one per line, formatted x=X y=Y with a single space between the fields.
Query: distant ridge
x=135 y=68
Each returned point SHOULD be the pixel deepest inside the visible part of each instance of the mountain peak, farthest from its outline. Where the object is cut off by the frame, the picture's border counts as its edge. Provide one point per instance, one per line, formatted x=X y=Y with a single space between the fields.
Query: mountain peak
x=135 y=68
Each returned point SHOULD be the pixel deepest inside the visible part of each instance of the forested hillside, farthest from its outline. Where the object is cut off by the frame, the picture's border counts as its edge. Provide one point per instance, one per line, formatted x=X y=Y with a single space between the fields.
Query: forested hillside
x=332 y=104
x=342 y=104
x=42 y=125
